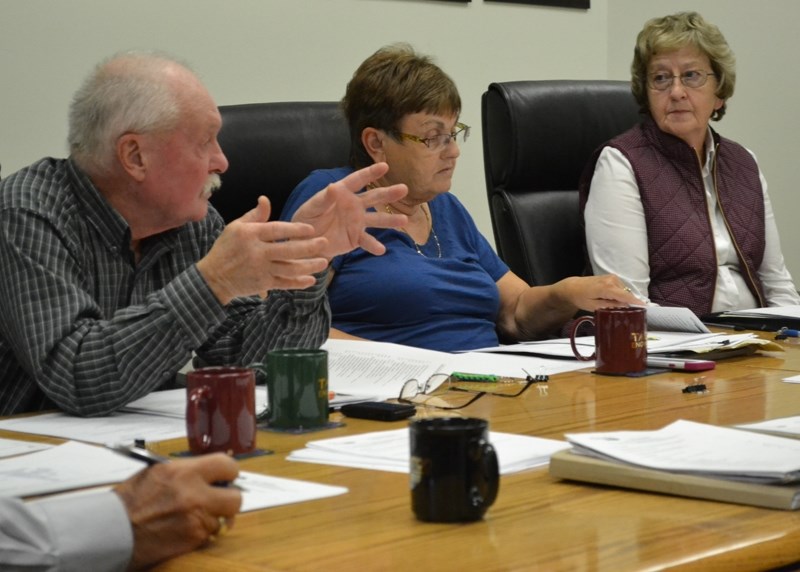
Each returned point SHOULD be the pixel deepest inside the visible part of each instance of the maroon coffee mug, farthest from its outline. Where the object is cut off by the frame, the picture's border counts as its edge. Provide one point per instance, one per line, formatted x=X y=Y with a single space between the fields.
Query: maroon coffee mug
x=620 y=339
x=221 y=410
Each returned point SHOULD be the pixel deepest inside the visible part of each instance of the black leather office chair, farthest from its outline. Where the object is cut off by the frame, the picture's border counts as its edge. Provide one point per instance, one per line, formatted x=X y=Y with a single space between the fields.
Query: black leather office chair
x=537 y=138
x=271 y=147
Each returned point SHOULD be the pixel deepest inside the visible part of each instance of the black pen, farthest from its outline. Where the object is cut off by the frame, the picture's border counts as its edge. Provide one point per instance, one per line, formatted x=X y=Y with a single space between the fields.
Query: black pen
x=142 y=454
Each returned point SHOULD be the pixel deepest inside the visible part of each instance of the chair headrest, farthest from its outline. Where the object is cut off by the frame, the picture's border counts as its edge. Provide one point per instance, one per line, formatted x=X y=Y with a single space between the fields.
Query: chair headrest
x=538 y=135
x=271 y=147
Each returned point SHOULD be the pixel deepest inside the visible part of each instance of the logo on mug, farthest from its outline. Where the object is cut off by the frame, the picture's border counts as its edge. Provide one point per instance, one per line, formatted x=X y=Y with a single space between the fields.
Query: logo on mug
x=416 y=470
x=638 y=340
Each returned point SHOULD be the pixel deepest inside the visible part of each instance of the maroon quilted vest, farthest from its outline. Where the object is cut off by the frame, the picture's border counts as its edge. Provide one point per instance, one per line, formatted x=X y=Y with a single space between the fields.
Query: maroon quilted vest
x=683 y=262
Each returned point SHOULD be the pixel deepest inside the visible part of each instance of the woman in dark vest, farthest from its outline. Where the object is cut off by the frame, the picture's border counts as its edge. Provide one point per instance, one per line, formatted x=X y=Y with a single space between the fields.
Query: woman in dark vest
x=678 y=212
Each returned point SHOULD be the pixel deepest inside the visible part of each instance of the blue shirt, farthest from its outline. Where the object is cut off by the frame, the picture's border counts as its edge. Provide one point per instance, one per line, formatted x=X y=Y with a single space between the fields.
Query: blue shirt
x=448 y=304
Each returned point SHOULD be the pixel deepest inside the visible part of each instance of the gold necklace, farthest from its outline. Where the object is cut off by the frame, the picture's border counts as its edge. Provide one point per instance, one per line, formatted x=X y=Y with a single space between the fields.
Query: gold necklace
x=390 y=210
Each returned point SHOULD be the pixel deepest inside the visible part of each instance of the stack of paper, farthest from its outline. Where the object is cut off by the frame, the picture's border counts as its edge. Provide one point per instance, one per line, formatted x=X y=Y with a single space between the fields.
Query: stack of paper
x=666 y=342
x=689 y=459
x=767 y=319
x=390 y=451
x=689 y=447
x=657 y=343
x=783 y=427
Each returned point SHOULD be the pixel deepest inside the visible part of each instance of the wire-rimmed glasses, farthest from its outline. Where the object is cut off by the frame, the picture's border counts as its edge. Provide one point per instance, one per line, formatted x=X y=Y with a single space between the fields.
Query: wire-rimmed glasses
x=440 y=392
x=436 y=142
x=662 y=81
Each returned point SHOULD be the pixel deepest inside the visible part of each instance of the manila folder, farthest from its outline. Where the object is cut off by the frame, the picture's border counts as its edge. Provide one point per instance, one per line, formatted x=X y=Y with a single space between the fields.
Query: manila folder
x=568 y=465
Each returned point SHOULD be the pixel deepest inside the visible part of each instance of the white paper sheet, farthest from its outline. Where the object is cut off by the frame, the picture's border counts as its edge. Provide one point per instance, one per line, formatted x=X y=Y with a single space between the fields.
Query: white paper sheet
x=687 y=446
x=674 y=319
x=68 y=466
x=264 y=491
x=390 y=451
x=773 y=312
x=75 y=465
x=787 y=425
x=117 y=428
x=13 y=447
x=381 y=369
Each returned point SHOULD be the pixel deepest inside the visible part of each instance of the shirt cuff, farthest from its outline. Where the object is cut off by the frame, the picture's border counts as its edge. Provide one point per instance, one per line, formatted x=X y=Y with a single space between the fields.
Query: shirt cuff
x=91 y=531
x=194 y=305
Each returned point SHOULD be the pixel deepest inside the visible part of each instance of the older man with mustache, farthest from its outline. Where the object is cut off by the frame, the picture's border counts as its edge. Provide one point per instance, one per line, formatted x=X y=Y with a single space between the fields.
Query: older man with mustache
x=115 y=268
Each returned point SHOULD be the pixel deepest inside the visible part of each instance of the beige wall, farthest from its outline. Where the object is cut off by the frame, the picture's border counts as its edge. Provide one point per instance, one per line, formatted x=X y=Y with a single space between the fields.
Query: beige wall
x=273 y=50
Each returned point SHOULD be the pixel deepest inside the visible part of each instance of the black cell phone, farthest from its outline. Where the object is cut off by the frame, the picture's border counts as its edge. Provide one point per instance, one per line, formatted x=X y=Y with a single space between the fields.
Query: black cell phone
x=379 y=410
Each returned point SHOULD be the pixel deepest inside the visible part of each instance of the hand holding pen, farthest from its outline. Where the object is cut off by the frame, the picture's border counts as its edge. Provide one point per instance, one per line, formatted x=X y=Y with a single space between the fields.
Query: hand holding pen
x=174 y=506
x=151 y=458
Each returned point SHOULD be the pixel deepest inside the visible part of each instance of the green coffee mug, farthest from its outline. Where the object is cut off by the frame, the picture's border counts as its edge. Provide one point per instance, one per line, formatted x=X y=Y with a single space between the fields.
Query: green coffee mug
x=297 y=389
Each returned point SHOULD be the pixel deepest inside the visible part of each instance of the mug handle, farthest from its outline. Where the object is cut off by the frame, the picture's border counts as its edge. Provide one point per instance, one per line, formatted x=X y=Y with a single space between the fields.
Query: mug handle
x=260 y=369
x=490 y=470
x=198 y=400
x=572 y=333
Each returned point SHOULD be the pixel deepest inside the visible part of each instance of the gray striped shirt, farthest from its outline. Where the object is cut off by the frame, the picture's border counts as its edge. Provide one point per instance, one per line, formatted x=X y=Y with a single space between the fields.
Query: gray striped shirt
x=85 y=328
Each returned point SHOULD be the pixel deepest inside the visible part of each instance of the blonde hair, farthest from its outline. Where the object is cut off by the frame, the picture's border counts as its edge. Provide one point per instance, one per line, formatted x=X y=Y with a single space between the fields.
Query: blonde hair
x=677 y=31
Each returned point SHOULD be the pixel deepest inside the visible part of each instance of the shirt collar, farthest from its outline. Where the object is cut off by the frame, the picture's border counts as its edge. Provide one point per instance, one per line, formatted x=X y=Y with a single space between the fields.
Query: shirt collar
x=110 y=225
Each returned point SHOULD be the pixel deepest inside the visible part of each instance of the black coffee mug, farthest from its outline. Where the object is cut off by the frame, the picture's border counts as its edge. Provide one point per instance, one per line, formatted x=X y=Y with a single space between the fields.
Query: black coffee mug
x=454 y=470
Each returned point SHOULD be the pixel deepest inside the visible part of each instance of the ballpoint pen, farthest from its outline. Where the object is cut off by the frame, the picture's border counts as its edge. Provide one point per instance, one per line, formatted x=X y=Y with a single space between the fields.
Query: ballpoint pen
x=151 y=458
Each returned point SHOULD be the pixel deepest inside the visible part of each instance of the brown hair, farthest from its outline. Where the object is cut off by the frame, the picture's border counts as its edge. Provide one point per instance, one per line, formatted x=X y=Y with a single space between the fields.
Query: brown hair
x=393 y=82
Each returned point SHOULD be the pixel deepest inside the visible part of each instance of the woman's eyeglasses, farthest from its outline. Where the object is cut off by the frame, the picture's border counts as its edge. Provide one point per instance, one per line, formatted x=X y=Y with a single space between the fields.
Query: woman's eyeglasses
x=440 y=392
x=438 y=141
x=662 y=81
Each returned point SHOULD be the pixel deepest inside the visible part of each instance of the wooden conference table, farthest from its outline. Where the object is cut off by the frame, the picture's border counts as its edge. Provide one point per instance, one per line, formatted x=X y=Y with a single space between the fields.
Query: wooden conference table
x=537 y=522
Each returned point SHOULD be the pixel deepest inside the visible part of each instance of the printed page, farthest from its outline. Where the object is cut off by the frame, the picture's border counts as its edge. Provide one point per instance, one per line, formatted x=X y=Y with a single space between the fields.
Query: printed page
x=264 y=491
x=687 y=446
x=13 y=447
x=116 y=428
x=379 y=369
x=773 y=312
x=390 y=451
x=64 y=467
x=674 y=319
x=789 y=426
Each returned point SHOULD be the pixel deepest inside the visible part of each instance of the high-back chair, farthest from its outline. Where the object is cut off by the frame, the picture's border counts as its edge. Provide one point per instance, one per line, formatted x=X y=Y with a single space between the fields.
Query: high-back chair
x=271 y=147
x=537 y=138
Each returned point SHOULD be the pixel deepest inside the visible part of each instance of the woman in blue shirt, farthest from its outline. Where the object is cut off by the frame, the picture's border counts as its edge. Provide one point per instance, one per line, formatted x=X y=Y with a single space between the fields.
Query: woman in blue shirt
x=440 y=285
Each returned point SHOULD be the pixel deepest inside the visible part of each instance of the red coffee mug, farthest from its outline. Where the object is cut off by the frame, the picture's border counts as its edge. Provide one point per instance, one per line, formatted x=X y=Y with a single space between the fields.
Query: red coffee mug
x=620 y=338
x=221 y=410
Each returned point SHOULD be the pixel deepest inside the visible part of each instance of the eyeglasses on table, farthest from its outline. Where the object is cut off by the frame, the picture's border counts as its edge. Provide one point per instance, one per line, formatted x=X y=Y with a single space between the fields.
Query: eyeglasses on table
x=440 y=391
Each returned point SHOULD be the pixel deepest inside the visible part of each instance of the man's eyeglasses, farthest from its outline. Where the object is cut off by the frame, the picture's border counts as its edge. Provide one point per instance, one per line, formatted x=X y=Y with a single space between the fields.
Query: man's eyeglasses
x=662 y=81
x=440 y=392
x=438 y=141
